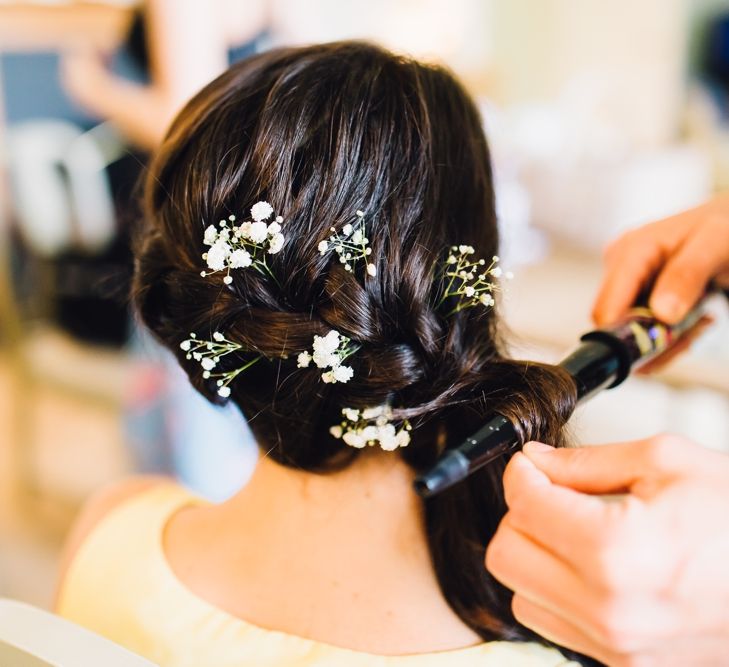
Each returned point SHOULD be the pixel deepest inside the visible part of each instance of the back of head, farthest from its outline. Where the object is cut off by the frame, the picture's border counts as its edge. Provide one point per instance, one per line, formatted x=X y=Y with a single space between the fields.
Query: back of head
x=320 y=133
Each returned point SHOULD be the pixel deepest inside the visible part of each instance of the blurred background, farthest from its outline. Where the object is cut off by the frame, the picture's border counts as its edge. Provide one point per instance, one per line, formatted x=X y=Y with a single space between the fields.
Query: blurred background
x=601 y=116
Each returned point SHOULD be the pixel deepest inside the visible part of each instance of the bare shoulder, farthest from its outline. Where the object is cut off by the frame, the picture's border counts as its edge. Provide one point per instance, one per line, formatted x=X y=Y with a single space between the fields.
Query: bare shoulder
x=96 y=508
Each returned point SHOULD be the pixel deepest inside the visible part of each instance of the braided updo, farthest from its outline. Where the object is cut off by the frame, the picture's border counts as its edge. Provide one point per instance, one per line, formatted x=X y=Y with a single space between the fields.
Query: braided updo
x=320 y=132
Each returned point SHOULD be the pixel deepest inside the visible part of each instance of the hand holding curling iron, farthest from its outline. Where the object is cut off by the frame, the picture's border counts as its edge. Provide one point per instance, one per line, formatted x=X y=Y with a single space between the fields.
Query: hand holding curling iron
x=643 y=579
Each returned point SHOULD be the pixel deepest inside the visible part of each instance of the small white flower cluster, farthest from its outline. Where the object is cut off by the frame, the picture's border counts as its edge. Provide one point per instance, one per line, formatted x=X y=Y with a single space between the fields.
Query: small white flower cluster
x=357 y=431
x=240 y=246
x=209 y=353
x=351 y=245
x=471 y=279
x=329 y=352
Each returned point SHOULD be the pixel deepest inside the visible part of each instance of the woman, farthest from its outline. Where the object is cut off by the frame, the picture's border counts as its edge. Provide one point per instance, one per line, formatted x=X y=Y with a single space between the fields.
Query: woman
x=357 y=333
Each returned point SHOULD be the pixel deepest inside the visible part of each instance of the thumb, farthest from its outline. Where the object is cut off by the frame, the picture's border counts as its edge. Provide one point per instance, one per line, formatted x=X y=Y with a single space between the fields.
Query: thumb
x=685 y=276
x=603 y=469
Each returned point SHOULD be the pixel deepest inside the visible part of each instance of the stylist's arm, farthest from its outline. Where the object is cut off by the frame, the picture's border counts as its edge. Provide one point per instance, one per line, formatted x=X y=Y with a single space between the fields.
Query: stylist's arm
x=642 y=580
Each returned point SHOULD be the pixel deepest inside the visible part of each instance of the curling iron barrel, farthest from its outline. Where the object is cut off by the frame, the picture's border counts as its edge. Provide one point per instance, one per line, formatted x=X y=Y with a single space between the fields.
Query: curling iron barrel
x=603 y=359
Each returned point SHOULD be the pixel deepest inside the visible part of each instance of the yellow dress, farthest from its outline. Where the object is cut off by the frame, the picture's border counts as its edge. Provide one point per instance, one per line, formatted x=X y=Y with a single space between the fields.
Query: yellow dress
x=121 y=586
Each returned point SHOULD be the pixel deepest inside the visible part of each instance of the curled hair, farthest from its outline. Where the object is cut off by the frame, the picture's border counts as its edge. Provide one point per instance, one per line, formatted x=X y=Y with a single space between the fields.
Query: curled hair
x=320 y=132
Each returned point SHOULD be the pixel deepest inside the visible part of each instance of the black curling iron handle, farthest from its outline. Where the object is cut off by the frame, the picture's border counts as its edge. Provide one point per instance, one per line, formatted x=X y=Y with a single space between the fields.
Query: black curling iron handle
x=497 y=437
x=594 y=365
x=602 y=361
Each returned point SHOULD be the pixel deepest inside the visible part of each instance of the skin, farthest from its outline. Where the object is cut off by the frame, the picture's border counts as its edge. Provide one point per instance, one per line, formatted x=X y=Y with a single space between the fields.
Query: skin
x=291 y=535
x=684 y=253
x=633 y=581
x=187 y=41
x=639 y=579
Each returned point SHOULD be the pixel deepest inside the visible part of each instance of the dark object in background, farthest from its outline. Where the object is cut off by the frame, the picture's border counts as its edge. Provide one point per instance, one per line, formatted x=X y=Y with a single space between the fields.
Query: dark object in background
x=86 y=294
x=714 y=60
x=92 y=291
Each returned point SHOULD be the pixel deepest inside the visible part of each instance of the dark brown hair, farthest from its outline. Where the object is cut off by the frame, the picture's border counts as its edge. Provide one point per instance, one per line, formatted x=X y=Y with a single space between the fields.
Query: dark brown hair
x=320 y=132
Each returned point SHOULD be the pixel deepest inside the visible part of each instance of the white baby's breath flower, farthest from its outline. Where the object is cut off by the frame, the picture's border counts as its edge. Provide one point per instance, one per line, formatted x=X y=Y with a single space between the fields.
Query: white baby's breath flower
x=403 y=438
x=347 y=229
x=274 y=228
x=354 y=439
x=228 y=280
x=244 y=230
x=357 y=430
x=321 y=359
x=370 y=433
x=342 y=373
x=258 y=232
x=185 y=345
x=387 y=437
x=217 y=336
x=207 y=363
x=351 y=413
x=373 y=413
x=328 y=343
x=372 y=270
x=217 y=255
x=323 y=246
x=211 y=235
x=224 y=392
x=328 y=353
x=240 y=259
x=471 y=281
x=276 y=243
x=261 y=211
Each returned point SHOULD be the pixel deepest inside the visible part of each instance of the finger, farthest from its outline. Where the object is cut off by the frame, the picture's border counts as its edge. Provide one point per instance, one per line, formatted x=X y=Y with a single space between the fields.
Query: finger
x=629 y=265
x=531 y=570
x=554 y=516
x=555 y=628
x=703 y=255
x=596 y=469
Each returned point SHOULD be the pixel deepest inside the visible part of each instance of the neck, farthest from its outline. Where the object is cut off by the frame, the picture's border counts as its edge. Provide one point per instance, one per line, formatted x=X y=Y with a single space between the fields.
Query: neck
x=374 y=493
x=346 y=544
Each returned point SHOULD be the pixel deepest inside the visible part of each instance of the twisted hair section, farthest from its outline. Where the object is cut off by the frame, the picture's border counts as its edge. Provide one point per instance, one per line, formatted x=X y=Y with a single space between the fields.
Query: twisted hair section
x=321 y=132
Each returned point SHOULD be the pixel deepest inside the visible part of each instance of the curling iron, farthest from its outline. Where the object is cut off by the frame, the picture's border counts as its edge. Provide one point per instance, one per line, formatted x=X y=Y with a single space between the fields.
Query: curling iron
x=603 y=360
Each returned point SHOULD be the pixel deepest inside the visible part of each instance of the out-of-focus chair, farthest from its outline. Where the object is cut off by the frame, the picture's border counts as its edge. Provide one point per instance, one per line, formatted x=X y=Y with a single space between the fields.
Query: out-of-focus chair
x=30 y=637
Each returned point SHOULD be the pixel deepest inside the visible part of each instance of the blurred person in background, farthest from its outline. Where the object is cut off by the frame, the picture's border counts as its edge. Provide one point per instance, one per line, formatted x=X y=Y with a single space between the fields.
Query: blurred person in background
x=178 y=46
x=181 y=45
x=642 y=581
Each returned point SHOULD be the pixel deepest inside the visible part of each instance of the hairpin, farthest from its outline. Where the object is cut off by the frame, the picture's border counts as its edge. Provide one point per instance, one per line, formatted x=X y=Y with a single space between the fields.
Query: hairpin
x=470 y=280
x=356 y=429
x=240 y=246
x=329 y=352
x=350 y=244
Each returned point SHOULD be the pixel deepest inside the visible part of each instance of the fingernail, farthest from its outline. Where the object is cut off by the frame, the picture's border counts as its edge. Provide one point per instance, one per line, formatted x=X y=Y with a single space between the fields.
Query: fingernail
x=537 y=447
x=667 y=306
